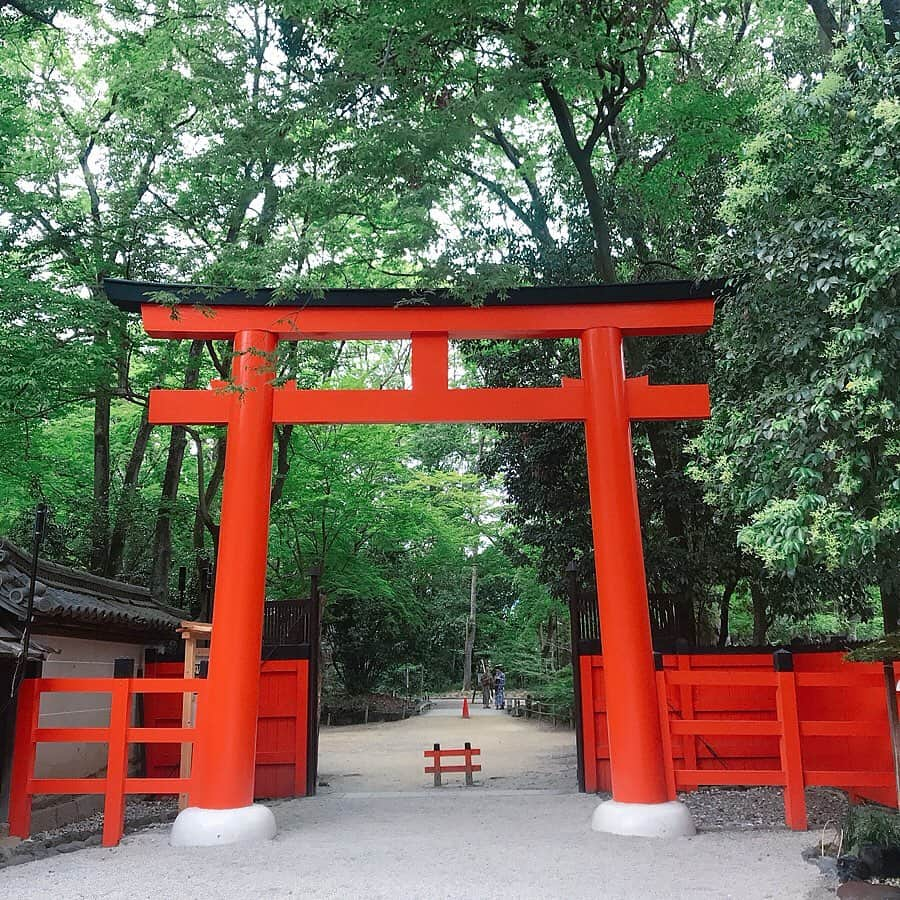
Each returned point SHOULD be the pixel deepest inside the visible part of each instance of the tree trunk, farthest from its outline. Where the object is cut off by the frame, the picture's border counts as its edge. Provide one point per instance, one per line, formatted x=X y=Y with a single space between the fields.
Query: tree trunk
x=604 y=266
x=126 y=498
x=890 y=12
x=828 y=26
x=470 y=634
x=669 y=465
x=100 y=517
x=161 y=560
x=282 y=462
x=724 y=610
x=890 y=603
x=205 y=496
x=760 y=615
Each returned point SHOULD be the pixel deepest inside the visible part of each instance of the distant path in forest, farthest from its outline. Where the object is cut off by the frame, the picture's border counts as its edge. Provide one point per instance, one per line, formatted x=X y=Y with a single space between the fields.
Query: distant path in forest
x=387 y=756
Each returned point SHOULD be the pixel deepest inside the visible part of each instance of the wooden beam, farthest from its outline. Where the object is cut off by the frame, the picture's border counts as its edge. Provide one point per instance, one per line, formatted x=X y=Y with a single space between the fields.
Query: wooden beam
x=466 y=323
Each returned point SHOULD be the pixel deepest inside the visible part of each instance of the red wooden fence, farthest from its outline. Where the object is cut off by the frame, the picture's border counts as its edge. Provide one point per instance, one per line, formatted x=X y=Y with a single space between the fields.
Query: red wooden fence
x=281 y=738
x=117 y=736
x=731 y=719
x=438 y=767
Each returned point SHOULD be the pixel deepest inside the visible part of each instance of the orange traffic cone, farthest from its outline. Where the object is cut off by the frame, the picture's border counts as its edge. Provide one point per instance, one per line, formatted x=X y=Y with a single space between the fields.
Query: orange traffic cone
x=465 y=708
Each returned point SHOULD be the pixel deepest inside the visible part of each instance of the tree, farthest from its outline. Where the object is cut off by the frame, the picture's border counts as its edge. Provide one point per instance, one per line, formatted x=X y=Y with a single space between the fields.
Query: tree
x=804 y=446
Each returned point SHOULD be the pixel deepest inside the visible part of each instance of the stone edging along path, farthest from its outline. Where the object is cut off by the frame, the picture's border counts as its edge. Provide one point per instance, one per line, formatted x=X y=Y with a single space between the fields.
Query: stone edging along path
x=139 y=814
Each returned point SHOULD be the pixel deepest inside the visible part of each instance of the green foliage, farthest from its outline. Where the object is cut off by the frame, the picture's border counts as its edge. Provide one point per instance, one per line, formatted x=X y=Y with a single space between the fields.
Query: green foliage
x=804 y=443
x=871 y=825
x=478 y=146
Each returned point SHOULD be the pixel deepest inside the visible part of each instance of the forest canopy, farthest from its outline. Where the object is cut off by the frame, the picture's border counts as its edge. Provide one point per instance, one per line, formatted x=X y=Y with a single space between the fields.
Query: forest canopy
x=476 y=146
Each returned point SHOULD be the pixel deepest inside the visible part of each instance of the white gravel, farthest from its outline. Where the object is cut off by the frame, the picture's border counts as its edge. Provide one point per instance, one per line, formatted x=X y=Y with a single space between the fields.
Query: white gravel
x=450 y=843
x=378 y=830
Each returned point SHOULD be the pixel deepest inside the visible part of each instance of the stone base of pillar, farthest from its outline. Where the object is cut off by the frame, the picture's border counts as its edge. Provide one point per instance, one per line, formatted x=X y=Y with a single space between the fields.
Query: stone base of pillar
x=197 y=827
x=659 y=820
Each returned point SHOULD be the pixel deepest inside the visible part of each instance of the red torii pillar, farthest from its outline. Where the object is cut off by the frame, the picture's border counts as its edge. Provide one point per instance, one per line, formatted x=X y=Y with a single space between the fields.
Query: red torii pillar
x=221 y=795
x=641 y=803
x=224 y=760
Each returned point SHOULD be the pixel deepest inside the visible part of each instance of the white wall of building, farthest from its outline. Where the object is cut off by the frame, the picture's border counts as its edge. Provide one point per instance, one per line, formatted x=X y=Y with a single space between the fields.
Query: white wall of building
x=78 y=658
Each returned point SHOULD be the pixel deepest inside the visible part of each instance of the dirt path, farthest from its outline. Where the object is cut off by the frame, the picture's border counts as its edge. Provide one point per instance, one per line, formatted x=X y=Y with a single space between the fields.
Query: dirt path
x=387 y=756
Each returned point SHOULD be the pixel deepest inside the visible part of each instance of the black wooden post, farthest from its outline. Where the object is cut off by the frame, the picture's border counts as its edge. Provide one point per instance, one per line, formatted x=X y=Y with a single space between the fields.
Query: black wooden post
x=123 y=667
x=469 y=779
x=40 y=526
x=437 y=765
x=314 y=638
x=575 y=638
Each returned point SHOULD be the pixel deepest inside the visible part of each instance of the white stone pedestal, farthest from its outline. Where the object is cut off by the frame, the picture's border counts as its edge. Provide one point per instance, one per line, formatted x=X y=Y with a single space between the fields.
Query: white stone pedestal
x=659 y=820
x=196 y=827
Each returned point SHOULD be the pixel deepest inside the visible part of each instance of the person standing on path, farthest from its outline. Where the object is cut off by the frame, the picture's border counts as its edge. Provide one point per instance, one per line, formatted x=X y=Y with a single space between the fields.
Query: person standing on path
x=499 y=689
x=486 y=682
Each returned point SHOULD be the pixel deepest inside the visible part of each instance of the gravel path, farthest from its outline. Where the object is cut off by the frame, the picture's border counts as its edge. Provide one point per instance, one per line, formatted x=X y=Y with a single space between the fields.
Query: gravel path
x=437 y=846
x=378 y=830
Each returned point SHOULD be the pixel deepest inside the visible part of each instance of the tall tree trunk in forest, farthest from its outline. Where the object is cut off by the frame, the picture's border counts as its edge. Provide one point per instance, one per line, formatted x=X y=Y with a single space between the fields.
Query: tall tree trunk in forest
x=203 y=519
x=724 y=610
x=828 y=24
x=890 y=603
x=126 y=498
x=161 y=557
x=760 y=614
x=470 y=633
x=665 y=444
x=890 y=12
x=100 y=517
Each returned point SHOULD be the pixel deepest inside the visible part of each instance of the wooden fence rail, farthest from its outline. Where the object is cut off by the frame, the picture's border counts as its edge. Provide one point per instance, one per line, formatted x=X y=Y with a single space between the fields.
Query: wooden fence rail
x=786 y=725
x=439 y=768
x=117 y=736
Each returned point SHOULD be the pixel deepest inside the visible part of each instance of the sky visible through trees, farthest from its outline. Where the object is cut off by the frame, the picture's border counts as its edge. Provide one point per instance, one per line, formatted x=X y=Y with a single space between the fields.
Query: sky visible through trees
x=476 y=145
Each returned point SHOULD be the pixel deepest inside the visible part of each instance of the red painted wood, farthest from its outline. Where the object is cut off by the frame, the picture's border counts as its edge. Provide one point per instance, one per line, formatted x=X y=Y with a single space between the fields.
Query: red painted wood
x=460 y=323
x=67 y=786
x=665 y=727
x=117 y=763
x=224 y=759
x=748 y=776
x=117 y=737
x=280 y=769
x=791 y=753
x=841 y=724
x=67 y=735
x=24 y=749
x=460 y=752
x=589 y=724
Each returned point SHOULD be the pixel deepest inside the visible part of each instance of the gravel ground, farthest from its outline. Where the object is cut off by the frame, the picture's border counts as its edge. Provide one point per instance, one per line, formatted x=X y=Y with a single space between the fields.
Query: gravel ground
x=139 y=813
x=376 y=822
x=444 y=845
x=762 y=807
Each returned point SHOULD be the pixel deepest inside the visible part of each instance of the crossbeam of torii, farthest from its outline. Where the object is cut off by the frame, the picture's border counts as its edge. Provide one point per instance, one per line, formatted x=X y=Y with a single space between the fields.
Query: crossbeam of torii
x=250 y=405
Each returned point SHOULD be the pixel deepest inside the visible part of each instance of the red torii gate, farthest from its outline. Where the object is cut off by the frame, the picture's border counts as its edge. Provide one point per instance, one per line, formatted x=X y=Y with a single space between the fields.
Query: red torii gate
x=250 y=405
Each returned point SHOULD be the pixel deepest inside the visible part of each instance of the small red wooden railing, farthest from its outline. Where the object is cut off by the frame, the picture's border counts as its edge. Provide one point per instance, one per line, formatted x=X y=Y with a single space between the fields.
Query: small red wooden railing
x=439 y=768
x=786 y=726
x=117 y=736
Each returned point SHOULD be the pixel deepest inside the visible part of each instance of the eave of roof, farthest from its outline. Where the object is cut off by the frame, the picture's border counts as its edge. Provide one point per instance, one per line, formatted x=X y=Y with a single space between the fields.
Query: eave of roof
x=70 y=596
x=129 y=295
x=11 y=645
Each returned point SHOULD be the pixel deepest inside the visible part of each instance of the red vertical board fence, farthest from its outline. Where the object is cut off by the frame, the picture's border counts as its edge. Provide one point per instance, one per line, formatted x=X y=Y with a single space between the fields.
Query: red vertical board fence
x=281 y=738
x=736 y=719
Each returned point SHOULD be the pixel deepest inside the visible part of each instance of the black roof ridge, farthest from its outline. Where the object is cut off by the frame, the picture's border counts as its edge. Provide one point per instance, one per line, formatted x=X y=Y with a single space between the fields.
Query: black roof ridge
x=68 y=578
x=128 y=295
